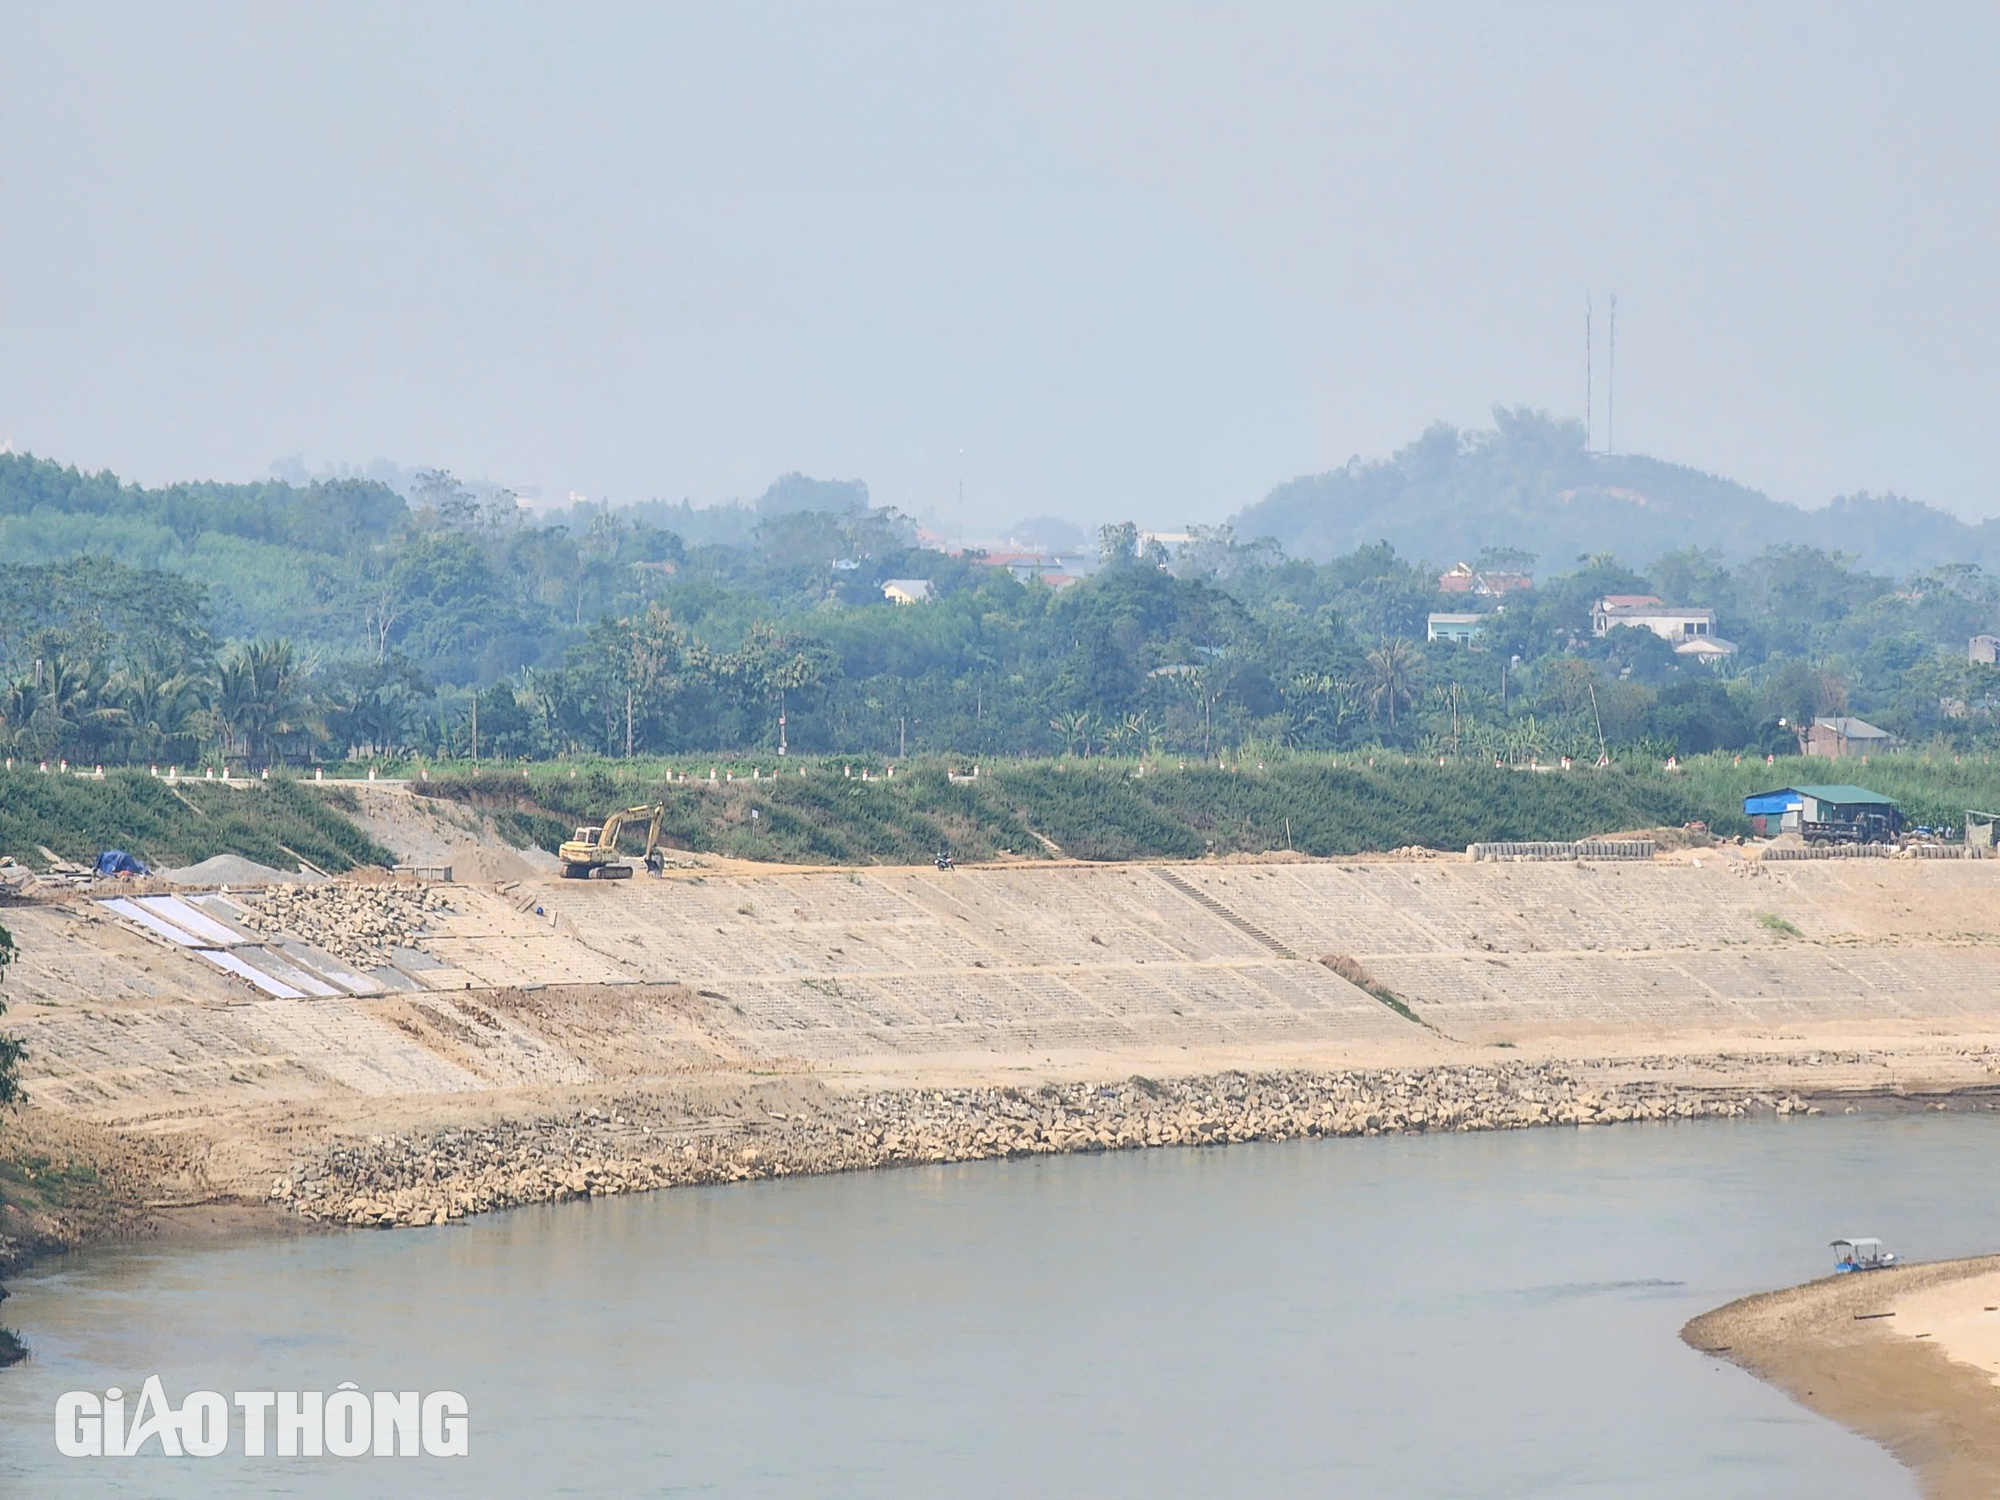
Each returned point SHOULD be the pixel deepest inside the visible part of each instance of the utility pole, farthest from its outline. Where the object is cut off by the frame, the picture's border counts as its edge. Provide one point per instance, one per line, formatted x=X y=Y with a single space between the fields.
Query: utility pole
x=475 y=726
x=628 y=723
x=1611 y=383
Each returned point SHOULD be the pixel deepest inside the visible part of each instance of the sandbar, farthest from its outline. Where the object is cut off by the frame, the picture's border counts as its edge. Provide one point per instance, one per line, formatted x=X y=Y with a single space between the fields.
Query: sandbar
x=1907 y=1357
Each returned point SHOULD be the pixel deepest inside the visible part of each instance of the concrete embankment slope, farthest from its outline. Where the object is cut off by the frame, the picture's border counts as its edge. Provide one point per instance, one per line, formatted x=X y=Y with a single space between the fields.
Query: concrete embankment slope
x=705 y=1000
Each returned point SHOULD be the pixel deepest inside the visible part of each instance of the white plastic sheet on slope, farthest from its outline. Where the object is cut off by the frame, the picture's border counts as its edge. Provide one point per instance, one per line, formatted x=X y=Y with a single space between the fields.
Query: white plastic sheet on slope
x=196 y=921
x=282 y=969
x=258 y=977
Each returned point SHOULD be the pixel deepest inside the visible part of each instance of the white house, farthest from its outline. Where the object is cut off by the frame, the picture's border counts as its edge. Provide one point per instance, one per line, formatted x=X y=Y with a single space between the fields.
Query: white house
x=1674 y=623
x=1464 y=629
x=906 y=590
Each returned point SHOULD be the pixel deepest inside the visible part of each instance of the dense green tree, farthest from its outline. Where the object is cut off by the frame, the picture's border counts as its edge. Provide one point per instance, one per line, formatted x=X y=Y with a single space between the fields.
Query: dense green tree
x=1696 y=717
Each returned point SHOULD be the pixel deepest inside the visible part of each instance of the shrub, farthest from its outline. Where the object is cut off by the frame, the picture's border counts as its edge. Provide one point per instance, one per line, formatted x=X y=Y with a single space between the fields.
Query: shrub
x=11 y=1048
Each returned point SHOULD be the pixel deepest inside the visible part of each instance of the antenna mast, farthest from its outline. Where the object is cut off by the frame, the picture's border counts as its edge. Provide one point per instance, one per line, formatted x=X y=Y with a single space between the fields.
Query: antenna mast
x=1611 y=382
x=1589 y=397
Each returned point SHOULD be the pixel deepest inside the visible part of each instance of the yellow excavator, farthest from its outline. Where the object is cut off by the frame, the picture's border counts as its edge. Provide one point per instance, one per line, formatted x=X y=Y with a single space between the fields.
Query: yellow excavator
x=592 y=853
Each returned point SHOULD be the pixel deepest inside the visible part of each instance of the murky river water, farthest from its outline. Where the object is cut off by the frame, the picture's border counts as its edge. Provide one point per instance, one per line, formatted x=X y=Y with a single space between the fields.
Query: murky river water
x=1479 y=1315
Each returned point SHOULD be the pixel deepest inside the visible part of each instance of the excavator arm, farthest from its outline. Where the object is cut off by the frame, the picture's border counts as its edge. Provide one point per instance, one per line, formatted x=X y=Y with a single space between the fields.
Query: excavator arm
x=654 y=860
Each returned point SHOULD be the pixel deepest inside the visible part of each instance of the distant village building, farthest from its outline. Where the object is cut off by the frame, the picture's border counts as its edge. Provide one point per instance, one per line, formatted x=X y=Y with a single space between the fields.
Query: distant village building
x=1625 y=601
x=1707 y=649
x=1841 y=736
x=1027 y=565
x=1462 y=629
x=1984 y=648
x=1680 y=625
x=906 y=590
x=1464 y=579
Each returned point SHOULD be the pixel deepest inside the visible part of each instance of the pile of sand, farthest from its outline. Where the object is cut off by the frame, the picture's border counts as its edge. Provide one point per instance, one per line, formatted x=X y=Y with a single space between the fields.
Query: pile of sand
x=482 y=864
x=231 y=869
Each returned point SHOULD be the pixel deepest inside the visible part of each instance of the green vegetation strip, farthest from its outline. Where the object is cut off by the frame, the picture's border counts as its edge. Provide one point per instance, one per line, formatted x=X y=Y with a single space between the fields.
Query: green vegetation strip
x=798 y=811
x=173 y=824
x=1098 y=810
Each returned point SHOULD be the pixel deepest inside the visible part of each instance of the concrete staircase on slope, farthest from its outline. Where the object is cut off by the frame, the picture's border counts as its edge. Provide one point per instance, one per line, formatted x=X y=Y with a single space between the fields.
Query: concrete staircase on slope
x=1207 y=902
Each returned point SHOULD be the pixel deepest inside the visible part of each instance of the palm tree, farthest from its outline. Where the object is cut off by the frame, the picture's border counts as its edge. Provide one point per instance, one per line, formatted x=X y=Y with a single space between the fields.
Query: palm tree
x=1074 y=730
x=1134 y=729
x=1203 y=685
x=74 y=705
x=19 y=710
x=1392 y=674
x=1451 y=697
x=260 y=697
x=159 y=705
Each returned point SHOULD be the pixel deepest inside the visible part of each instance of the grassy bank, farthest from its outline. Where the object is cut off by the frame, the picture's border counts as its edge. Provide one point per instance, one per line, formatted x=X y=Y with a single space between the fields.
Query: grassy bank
x=826 y=811
x=177 y=823
x=814 y=813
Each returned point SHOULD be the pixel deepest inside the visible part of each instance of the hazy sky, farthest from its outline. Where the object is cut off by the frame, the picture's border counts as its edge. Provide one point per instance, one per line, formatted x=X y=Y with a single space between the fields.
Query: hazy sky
x=1137 y=259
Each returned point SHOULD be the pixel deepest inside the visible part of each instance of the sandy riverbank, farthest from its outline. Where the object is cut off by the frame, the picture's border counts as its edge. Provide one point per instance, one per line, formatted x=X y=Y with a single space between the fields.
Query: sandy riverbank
x=1907 y=1357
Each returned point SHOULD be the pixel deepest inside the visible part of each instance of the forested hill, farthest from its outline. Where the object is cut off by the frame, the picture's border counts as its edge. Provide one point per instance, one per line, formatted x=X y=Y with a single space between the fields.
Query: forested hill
x=279 y=623
x=1528 y=485
x=275 y=557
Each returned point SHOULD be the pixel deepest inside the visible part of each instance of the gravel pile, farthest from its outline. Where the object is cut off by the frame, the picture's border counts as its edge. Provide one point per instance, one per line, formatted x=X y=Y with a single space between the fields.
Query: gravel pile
x=357 y=924
x=427 y=1179
x=231 y=869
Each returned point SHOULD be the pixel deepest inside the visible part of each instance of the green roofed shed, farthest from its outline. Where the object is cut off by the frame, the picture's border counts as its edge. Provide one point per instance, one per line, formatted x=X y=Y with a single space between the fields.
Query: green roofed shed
x=1846 y=796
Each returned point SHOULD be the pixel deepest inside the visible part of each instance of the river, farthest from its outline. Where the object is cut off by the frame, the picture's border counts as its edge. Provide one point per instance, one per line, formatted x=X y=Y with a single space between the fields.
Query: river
x=1464 y=1315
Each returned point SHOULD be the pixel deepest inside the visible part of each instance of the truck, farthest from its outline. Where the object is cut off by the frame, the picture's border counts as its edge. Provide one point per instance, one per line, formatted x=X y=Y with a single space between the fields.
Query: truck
x=1862 y=828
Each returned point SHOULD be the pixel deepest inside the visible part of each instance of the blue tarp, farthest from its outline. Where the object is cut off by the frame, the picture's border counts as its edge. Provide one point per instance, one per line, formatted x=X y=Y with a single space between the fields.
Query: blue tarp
x=118 y=862
x=1769 y=804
